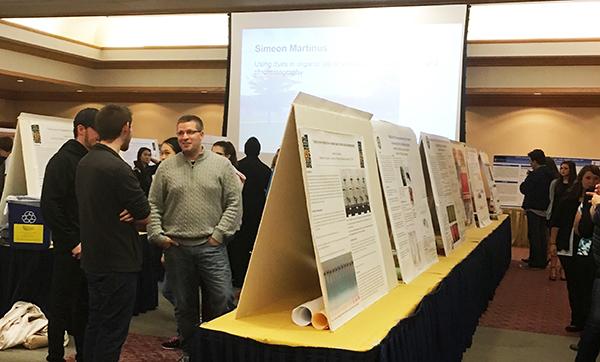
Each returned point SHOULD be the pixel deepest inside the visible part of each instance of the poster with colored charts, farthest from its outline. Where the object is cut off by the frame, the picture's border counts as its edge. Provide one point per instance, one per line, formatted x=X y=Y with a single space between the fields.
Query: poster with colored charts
x=408 y=215
x=343 y=227
x=443 y=189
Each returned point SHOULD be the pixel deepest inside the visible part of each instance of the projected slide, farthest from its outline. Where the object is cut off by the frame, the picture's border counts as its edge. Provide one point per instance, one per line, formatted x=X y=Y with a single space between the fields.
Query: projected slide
x=408 y=72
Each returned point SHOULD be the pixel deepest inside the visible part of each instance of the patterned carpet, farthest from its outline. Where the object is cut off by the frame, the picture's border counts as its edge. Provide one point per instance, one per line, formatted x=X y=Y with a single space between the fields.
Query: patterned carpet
x=140 y=348
x=527 y=301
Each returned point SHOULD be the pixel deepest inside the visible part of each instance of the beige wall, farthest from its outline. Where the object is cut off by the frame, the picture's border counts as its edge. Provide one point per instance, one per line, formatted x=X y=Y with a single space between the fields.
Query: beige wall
x=151 y=120
x=568 y=132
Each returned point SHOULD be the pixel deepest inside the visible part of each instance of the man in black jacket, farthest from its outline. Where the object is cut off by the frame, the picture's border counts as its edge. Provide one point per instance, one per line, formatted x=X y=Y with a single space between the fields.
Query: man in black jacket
x=68 y=295
x=535 y=188
x=111 y=205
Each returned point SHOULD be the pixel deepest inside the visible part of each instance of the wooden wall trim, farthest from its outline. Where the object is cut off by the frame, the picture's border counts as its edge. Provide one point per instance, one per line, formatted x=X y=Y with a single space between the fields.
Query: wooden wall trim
x=39 y=8
x=139 y=96
x=533 y=61
x=532 y=97
x=35 y=50
x=533 y=41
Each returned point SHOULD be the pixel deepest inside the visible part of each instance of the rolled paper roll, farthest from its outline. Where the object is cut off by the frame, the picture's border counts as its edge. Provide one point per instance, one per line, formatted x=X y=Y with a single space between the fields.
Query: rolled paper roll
x=319 y=320
x=302 y=314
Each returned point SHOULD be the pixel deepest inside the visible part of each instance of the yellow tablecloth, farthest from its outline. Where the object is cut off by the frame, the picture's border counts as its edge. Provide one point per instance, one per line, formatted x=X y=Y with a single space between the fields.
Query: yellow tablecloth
x=364 y=331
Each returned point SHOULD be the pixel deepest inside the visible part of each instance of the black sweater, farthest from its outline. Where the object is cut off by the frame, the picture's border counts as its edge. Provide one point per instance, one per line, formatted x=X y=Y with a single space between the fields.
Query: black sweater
x=58 y=203
x=105 y=186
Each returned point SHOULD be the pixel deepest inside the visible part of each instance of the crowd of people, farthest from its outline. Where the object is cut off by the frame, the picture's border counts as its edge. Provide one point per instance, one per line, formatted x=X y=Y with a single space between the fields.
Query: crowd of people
x=201 y=207
x=564 y=231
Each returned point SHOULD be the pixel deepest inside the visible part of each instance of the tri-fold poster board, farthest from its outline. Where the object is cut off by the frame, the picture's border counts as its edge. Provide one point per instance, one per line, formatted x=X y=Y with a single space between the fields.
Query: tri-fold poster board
x=330 y=229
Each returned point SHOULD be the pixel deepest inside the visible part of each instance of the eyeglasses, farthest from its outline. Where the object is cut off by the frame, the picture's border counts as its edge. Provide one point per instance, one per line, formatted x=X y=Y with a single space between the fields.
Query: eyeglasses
x=189 y=132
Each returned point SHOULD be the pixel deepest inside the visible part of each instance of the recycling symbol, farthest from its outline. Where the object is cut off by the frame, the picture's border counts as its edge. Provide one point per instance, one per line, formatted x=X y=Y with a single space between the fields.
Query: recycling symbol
x=28 y=217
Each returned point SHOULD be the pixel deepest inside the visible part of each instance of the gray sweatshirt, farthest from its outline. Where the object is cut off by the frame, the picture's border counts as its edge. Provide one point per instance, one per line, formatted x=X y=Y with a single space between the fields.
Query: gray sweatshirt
x=190 y=202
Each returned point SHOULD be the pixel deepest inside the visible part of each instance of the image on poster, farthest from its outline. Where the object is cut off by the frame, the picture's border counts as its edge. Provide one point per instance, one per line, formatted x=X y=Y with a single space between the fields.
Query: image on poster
x=480 y=205
x=464 y=185
x=403 y=182
x=449 y=208
x=41 y=137
x=489 y=184
x=343 y=228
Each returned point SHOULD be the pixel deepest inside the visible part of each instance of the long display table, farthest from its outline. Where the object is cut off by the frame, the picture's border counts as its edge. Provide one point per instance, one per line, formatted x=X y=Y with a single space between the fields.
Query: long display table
x=431 y=319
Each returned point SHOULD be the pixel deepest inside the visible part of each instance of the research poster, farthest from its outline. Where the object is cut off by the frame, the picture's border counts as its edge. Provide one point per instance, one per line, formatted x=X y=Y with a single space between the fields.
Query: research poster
x=489 y=184
x=41 y=137
x=445 y=190
x=343 y=227
x=464 y=185
x=405 y=196
x=480 y=205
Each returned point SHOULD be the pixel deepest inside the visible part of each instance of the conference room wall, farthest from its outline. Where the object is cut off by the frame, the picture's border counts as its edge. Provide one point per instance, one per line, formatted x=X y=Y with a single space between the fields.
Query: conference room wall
x=570 y=132
x=151 y=120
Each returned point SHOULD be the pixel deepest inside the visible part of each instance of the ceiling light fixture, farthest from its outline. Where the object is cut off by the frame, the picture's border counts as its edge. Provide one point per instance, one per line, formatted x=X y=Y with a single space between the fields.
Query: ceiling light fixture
x=20 y=80
x=537 y=93
x=79 y=91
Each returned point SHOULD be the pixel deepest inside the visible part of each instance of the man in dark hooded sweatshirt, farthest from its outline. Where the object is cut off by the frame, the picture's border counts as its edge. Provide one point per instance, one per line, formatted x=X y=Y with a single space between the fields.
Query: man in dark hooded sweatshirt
x=254 y=195
x=68 y=293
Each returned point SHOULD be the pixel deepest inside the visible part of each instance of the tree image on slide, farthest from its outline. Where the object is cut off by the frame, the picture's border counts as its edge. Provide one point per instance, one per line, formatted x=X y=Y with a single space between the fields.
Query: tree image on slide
x=271 y=89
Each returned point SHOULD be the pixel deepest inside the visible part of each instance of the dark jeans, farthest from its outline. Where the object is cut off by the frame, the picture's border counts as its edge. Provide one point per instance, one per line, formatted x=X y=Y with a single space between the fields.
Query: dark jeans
x=68 y=308
x=111 y=301
x=580 y=271
x=589 y=344
x=538 y=243
x=190 y=267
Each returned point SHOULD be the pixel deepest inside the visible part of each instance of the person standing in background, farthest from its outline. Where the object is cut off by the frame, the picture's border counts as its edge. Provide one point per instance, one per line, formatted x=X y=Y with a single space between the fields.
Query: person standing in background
x=68 y=291
x=143 y=170
x=254 y=196
x=558 y=188
x=535 y=189
x=112 y=206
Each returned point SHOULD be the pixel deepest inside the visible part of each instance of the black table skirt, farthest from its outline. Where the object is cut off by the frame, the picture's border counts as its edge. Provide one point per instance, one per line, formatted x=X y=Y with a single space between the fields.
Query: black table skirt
x=25 y=275
x=440 y=329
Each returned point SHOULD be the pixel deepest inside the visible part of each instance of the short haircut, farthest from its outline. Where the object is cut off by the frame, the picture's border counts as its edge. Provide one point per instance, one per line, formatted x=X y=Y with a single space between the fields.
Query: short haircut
x=110 y=121
x=192 y=118
x=538 y=156
x=6 y=143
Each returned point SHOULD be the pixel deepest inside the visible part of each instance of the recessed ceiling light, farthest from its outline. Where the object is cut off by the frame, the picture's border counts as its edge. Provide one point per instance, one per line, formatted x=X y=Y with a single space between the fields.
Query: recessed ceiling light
x=20 y=80
x=79 y=90
x=203 y=91
x=537 y=93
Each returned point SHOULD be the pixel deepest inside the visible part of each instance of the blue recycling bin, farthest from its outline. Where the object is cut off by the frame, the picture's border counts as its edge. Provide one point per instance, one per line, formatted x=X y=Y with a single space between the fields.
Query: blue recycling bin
x=26 y=229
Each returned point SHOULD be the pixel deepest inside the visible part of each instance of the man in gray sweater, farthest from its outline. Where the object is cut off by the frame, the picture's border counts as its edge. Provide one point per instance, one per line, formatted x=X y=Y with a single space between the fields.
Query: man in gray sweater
x=195 y=202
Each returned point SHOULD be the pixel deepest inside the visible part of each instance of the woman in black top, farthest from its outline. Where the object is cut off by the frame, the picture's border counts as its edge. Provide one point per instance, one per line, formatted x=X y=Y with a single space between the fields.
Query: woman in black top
x=142 y=169
x=571 y=233
x=558 y=187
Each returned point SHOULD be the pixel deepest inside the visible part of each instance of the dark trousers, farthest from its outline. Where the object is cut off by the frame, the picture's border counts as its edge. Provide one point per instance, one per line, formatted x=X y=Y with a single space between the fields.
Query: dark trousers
x=111 y=301
x=538 y=243
x=580 y=271
x=190 y=267
x=68 y=307
x=589 y=344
